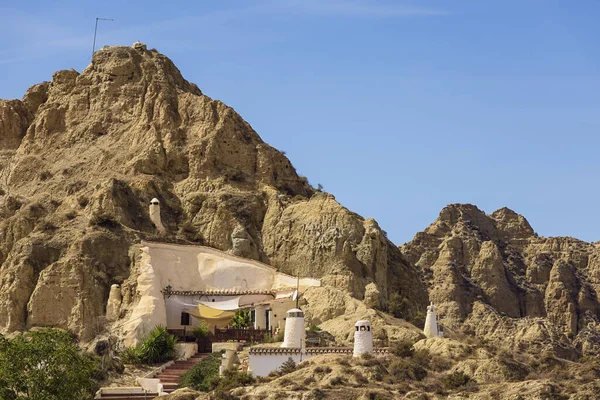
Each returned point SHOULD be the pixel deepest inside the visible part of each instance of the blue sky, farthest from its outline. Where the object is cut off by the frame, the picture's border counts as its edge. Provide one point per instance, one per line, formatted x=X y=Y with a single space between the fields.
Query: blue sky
x=397 y=108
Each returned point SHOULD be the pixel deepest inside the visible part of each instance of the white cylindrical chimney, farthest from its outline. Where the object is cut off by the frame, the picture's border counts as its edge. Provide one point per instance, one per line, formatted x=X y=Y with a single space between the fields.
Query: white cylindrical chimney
x=431 y=328
x=294 y=329
x=155 y=215
x=363 y=338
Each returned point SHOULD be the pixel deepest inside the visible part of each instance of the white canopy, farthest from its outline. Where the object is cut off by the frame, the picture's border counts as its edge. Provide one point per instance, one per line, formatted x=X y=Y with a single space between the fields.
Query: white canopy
x=225 y=305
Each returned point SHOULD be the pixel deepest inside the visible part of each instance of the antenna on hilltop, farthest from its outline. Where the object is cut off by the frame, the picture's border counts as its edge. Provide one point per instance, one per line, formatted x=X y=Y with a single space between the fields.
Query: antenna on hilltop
x=96 y=30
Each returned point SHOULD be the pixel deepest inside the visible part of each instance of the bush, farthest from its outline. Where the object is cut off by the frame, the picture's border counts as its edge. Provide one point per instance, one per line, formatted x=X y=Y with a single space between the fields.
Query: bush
x=202 y=375
x=104 y=220
x=158 y=346
x=419 y=320
x=288 y=366
x=360 y=378
x=232 y=379
x=45 y=364
x=201 y=330
x=404 y=369
x=402 y=348
x=398 y=306
x=455 y=380
x=241 y=319
x=309 y=380
x=421 y=357
x=45 y=175
x=131 y=356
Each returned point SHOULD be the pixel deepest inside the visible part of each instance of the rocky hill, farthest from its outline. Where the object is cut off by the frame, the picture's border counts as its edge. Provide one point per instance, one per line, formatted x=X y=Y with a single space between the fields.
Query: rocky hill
x=494 y=276
x=83 y=155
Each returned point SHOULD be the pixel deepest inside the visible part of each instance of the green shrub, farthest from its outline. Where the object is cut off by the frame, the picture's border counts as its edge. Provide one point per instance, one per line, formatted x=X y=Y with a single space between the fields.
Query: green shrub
x=131 y=355
x=398 y=306
x=201 y=330
x=202 y=375
x=455 y=380
x=404 y=369
x=232 y=379
x=402 y=348
x=418 y=320
x=288 y=366
x=45 y=364
x=157 y=347
x=314 y=328
x=241 y=319
x=422 y=357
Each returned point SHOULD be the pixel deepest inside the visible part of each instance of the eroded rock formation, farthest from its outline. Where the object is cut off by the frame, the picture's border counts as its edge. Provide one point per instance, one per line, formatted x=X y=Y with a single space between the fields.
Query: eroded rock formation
x=84 y=154
x=494 y=274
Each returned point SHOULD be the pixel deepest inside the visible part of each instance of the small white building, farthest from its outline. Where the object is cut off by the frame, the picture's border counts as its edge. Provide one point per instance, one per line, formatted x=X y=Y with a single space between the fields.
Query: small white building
x=180 y=285
x=264 y=360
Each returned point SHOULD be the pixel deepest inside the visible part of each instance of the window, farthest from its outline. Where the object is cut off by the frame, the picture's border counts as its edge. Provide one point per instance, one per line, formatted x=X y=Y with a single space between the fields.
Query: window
x=185 y=318
x=253 y=315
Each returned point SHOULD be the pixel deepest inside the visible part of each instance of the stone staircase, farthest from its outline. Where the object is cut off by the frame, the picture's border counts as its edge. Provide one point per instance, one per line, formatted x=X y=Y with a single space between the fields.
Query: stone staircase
x=170 y=377
x=128 y=395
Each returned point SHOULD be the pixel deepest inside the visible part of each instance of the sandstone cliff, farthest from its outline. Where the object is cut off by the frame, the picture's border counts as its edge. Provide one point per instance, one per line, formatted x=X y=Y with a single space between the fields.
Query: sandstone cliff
x=494 y=276
x=83 y=155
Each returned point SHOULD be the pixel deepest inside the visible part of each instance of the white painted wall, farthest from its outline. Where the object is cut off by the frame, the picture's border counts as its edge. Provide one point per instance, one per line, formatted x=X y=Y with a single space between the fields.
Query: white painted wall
x=260 y=317
x=277 y=313
x=195 y=268
x=263 y=364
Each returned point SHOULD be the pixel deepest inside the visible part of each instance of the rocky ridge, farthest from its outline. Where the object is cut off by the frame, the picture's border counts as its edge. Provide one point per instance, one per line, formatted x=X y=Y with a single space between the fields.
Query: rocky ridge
x=492 y=275
x=83 y=155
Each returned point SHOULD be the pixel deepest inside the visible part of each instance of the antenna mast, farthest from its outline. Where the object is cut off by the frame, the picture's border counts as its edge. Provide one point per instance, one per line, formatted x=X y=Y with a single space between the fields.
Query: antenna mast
x=298 y=291
x=96 y=30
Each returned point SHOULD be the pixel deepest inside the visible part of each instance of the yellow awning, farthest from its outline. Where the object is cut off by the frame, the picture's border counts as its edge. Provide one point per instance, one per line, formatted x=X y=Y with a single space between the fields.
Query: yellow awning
x=212 y=315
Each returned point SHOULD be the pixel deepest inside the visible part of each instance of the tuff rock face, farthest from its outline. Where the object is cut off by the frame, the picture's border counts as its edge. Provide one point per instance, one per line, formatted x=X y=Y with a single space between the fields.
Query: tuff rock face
x=83 y=155
x=494 y=276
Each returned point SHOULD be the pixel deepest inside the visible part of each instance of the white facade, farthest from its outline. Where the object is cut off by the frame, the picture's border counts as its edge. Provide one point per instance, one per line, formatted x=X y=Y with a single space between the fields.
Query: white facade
x=263 y=364
x=431 y=328
x=260 y=317
x=294 y=334
x=363 y=338
x=155 y=215
x=198 y=268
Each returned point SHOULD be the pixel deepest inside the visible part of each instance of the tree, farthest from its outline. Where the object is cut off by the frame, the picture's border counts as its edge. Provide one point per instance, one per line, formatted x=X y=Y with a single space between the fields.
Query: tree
x=241 y=319
x=201 y=330
x=45 y=364
x=398 y=306
x=288 y=366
